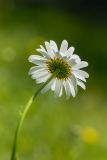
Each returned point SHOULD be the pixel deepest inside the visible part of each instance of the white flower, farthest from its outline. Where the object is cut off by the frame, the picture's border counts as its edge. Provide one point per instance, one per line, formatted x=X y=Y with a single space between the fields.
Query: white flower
x=68 y=64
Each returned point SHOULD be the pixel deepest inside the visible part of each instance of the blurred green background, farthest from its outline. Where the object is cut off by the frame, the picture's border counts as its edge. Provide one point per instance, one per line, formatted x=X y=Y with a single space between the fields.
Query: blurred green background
x=52 y=124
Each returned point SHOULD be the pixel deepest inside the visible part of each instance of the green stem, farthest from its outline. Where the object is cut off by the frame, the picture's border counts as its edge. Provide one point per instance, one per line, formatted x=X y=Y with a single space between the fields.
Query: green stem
x=18 y=128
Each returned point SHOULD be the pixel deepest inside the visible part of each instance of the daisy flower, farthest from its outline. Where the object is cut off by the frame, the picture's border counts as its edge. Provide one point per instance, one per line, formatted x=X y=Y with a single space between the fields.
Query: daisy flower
x=66 y=62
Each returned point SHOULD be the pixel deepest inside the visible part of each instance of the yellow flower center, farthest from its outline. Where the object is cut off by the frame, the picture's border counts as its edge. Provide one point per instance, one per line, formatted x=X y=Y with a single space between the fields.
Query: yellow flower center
x=61 y=65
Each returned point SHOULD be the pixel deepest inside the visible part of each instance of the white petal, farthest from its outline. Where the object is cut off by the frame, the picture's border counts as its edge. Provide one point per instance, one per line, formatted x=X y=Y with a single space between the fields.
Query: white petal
x=79 y=76
x=53 y=85
x=34 y=69
x=64 y=46
x=48 y=86
x=43 y=49
x=82 y=64
x=40 y=73
x=49 y=49
x=82 y=73
x=43 y=52
x=36 y=59
x=72 y=88
x=70 y=51
x=73 y=80
x=72 y=62
x=81 y=84
x=43 y=78
x=61 y=91
x=67 y=89
x=53 y=45
x=58 y=87
x=76 y=57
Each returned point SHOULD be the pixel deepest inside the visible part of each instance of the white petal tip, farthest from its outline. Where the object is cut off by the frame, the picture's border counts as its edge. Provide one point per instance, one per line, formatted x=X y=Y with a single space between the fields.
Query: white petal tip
x=65 y=41
x=88 y=75
x=30 y=58
x=38 y=49
x=86 y=63
x=74 y=96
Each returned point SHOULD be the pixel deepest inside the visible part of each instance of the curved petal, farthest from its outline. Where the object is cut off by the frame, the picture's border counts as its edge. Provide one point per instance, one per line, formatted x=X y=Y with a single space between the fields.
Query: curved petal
x=72 y=88
x=43 y=52
x=64 y=46
x=61 y=91
x=79 y=76
x=43 y=49
x=72 y=62
x=70 y=51
x=43 y=78
x=73 y=80
x=36 y=59
x=48 y=86
x=35 y=69
x=49 y=49
x=74 y=59
x=82 y=73
x=53 y=85
x=58 y=87
x=67 y=89
x=81 y=84
x=53 y=45
x=82 y=64
x=39 y=74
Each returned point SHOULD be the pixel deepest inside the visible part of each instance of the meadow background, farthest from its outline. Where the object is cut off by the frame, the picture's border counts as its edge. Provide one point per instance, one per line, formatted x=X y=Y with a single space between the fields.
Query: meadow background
x=51 y=126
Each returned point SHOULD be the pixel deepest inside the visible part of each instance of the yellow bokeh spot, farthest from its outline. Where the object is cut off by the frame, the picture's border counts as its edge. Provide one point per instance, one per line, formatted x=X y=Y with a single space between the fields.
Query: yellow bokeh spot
x=89 y=135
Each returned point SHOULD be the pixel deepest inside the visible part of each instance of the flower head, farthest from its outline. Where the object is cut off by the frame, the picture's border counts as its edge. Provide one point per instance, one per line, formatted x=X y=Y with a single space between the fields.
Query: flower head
x=89 y=135
x=68 y=65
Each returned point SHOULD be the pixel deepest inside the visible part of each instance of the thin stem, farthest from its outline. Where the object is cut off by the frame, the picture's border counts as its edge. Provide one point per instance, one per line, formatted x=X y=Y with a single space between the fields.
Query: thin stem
x=18 y=128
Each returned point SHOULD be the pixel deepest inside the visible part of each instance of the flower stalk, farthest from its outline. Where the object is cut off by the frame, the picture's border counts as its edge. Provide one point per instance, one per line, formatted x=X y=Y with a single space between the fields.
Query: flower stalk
x=23 y=115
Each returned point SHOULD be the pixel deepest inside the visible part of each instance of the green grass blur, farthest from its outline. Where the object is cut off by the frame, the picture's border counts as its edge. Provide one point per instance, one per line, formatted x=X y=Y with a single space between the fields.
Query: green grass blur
x=47 y=130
